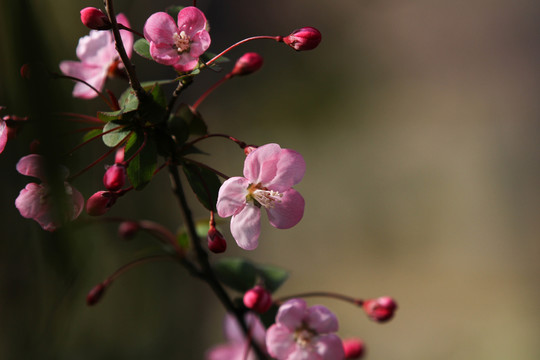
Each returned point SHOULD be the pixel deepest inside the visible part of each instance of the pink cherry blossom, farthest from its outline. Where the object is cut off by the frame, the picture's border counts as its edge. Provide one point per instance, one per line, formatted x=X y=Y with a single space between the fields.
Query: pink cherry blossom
x=270 y=172
x=303 y=332
x=3 y=134
x=98 y=59
x=35 y=201
x=238 y=346
x=181 y=44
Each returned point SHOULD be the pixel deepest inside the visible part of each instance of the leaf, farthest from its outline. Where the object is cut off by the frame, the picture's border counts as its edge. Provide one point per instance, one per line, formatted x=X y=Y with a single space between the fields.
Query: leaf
x=152 y=108
x=204 y=183
x=179 y=128
x=173 y=11
x=272 y=276
x=91 y=134
x=114 y=137
x=141 y=168
x=193 y=119
x=142 y=47
x=201 y=227
x=237 y=273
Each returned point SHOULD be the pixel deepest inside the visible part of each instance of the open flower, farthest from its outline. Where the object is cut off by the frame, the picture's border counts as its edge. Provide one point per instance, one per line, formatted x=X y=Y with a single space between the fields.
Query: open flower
x=238 y=346
x=98 y=59
x=35 y=201
x=179 y=46
x=270 y=172
x=302 y=332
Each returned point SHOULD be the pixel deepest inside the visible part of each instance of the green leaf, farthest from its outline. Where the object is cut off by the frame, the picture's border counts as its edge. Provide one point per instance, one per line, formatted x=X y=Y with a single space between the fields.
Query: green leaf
x=152 y=108
x=142 y=47
x=114 y=137
x=237 y=273
x=109 y=115
x=91 y=134
x=210 y=55
x=201 y=227
x=272 y=276
x=193 y=119
x=141 y=168
x=179 y=128
x=204 y=183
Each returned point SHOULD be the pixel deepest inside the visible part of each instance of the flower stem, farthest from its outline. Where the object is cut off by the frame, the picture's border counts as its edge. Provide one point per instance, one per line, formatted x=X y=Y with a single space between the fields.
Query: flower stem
x=349 y=299
x=276 y=38
x=133 y=80
x=210 y=90
x=208 y=274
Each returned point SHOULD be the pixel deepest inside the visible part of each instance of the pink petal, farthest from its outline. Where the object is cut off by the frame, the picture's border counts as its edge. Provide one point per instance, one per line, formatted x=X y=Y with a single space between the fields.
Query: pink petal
x=246 y=227
x=160 y=28
x=96 y=48
x=291 y=168
x=127 y=36
x=288 y=212
x=200 y=42
x=232 y=196
x=77 y=201
x=31 y=165
x=3 y=135
x=164 y=53
x=234 y=333
x=260 y=165
x=191 y=20
x=304 y=353
x=280 y=341
x=186 y=63
x=320 y=319
x=329 y=347
x=291 y=314
x=95 y=75
x=29 y=201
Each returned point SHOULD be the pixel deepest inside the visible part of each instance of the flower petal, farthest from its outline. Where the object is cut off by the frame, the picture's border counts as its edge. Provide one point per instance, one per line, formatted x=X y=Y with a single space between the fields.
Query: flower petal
x=246 y=227
x=200 y=42
x=77 y=201
x=186 y=63
x=292 y=313
x=163 y=53
x=191 y=20
x=160 y=28
x=29 y=201
x=288 y=212
x=3 y=135
x=31 y=165
x=260 y=165
x=232 y=196
x=329 y=347
x=320 y=319
x=280 y=341
x=96 y=48
x=291 y=168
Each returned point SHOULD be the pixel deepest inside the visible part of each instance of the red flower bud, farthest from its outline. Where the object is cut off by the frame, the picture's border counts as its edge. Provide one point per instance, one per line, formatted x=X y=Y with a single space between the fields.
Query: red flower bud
x=95 y=294
x=306 y=38
x=99 y=203
x=115 y=177
x=258 y=299
x=95 y=19
x=381 y=309
x=247 y=64
x=128 y=229
x=354 y=348
x=26 y=71
x=216 y=241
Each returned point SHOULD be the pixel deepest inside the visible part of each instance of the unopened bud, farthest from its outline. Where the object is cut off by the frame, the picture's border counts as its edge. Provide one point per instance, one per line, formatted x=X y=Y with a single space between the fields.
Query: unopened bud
x=119 y=156
x=128 y=229
x=216 y=242
x=115 y=177
x=354 y=348
x=306 y=38
x=247 y=64
x=258 y=299
x=99 y=203
x=25 y=71
x=95 y=294
x=381 y=309
x=95 y=19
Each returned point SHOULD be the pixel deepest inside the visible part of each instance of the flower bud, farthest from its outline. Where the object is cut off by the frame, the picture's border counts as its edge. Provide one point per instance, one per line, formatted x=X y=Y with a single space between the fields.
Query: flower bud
x=25 y=71
x=115 y=177
x=354 y=348
x=306 y=38
x=95 y=19
x=95 y=294
x=258 y=299
x=216 y=241
x=99 y=203
x=128 y=229
x=381 y=309
x=247 y=64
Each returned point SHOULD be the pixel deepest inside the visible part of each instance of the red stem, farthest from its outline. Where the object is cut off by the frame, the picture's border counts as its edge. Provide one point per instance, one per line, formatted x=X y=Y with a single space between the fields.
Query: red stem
x=276 y=38
x=210 y=90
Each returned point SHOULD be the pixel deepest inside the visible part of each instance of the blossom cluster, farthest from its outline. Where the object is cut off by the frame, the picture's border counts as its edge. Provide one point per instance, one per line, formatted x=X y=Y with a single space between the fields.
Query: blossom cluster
x=148 y=133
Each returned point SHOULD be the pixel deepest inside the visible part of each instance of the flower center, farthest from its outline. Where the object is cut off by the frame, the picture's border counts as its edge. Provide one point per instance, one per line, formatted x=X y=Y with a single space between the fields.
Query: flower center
x=303 y=336
x=263 y=196
x=181 y=42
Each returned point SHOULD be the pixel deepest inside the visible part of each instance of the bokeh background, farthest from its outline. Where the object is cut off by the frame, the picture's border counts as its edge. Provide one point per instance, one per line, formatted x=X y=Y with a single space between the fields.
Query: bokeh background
x=419 y=121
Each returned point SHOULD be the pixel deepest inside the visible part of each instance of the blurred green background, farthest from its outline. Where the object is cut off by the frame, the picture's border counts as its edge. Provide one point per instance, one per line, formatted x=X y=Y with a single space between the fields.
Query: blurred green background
x=419 y=122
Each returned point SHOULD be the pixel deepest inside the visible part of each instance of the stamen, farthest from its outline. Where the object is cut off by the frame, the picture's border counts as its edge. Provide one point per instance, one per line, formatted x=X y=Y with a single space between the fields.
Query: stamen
x=181 y=41
x=267 y=198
